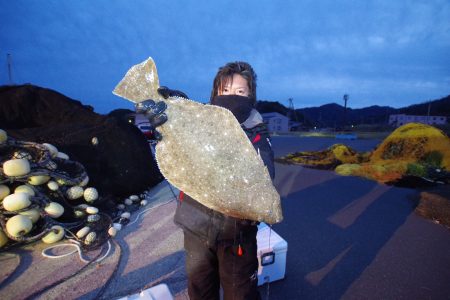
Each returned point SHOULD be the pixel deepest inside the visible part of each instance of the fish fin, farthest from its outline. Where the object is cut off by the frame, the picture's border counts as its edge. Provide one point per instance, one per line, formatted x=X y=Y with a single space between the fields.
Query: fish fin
x=140 y=83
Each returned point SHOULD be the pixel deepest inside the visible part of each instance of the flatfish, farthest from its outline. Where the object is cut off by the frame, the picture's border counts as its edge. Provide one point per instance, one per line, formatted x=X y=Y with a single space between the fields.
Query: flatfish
x=205 y=153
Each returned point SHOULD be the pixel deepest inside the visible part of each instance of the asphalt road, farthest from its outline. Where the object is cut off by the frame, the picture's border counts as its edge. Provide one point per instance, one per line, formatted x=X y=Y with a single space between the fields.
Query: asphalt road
x=351 y=238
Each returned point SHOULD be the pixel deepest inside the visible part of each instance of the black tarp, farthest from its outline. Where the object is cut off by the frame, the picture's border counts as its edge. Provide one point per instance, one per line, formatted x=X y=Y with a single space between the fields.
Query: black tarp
x=119 y=165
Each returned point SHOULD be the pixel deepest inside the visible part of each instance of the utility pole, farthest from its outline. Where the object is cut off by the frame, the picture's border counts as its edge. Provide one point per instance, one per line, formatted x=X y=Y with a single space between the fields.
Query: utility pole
x=291 y=112
x=345 y=110
x=8 y=58
x=292 y=109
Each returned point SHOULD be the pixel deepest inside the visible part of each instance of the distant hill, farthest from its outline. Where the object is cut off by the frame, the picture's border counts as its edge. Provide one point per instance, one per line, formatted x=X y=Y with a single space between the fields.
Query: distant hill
x=334 y=115
x=439 y=107
x=269 y=106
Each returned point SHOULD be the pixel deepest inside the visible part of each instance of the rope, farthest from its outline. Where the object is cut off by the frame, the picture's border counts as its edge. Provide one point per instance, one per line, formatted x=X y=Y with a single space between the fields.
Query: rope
x=76 y=244
x=95 y=260
x=62 y=255
x=156 y=206
x=268 y=291
x=148 y=209
x=106 y=284
x=268 y=282
x=100 y=293
x=234 y=258
x=77 y=247
x=52 y=285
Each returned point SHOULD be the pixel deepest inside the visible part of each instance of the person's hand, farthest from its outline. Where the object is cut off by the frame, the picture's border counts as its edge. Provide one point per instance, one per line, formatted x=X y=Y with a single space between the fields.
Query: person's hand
x=154 y=112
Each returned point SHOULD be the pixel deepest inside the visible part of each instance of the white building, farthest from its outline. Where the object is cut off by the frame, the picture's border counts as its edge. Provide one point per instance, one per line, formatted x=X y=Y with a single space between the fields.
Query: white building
x=276 y=121
x=402 y=119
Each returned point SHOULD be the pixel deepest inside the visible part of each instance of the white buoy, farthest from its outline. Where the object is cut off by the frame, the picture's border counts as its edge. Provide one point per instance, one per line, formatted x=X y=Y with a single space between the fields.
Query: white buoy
x=117 y=226
x=90 y=194
x=24 y=188
x=4 y=191
x=92 y=210
x=52 y=185
x=38 y=179
x=22 y=154
x=16 y=202
x=112 y=231
x=18 y=226
x=62 y=155
x=54 y=209
x=33 y=214
x=16 y=167
x=90 y=238
x=55 y=235
x=85 y=181
x=75 y=192
x=134 y=198
x=82 y=232
x=125 y=215
x=52 y=149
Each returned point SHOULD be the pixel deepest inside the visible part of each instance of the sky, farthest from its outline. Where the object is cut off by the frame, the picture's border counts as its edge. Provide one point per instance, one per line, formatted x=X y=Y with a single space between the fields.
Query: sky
x=379 y=52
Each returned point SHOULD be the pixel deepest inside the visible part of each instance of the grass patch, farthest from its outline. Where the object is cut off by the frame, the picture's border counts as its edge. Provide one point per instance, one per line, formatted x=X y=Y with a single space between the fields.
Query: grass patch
x=435 y=205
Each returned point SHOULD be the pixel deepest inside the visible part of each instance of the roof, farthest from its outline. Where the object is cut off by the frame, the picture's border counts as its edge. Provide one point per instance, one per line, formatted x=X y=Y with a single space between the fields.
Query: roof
x=273 y=115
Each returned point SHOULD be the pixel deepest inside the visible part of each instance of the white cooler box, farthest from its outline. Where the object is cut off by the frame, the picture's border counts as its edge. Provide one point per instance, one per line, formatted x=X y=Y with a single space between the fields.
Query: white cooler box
x=157 y=292
x=272 y=250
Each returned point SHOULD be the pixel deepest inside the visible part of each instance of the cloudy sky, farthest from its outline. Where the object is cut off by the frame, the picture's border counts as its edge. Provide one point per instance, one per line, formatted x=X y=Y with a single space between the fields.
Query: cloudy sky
x=380 y=52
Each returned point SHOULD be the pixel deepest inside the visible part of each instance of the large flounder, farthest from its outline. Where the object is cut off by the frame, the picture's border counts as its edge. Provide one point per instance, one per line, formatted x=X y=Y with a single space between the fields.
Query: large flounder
x=205 y=153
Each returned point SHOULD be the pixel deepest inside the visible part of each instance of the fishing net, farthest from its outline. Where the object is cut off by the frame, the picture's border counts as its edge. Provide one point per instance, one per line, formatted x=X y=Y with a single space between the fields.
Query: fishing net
x=48 y=203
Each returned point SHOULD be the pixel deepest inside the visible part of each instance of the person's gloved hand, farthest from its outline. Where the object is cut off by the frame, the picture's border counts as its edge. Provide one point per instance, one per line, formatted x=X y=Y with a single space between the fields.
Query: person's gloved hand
x=154 y=112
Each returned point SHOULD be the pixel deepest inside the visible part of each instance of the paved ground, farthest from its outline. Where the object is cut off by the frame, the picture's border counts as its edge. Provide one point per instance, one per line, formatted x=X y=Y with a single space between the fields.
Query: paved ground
x=351 y=238
x=348 y=238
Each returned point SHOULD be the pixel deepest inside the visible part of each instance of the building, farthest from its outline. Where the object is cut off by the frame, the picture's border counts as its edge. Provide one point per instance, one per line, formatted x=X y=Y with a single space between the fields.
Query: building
x=276 y=121
x=402 y=119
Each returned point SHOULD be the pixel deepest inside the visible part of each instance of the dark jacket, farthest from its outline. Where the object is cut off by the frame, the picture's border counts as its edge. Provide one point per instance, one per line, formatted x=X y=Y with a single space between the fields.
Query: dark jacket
x=212 y=226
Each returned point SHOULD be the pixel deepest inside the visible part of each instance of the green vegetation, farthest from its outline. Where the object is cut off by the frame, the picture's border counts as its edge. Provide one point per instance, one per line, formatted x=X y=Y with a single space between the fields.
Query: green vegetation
x=415 y=169
x=433 y=159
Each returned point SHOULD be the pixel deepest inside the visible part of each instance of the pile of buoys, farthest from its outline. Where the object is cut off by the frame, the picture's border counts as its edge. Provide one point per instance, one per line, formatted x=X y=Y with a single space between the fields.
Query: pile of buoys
x=40 y=189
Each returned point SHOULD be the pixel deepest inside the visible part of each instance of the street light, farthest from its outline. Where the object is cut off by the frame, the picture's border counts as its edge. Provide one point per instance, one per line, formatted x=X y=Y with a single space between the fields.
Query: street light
x=345 y=110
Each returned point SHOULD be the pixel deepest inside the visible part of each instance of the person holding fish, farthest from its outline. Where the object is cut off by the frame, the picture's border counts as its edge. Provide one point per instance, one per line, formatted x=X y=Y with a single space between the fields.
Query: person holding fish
x=221 y=251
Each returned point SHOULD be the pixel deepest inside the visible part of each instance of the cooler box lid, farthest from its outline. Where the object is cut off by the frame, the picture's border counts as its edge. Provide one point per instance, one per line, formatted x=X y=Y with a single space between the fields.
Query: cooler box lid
x=269 y=240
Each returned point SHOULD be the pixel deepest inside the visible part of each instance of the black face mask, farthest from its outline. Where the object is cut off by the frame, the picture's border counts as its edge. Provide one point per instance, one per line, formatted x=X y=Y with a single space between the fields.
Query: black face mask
x=240 y=106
